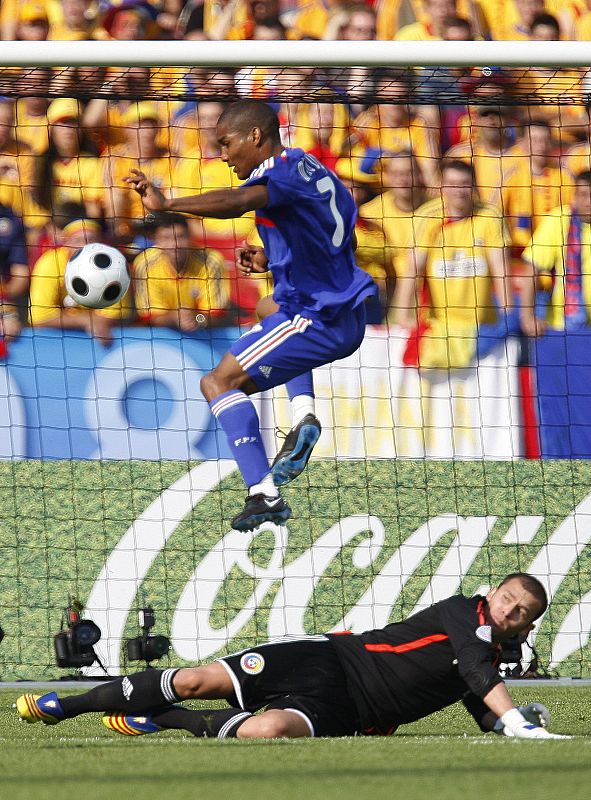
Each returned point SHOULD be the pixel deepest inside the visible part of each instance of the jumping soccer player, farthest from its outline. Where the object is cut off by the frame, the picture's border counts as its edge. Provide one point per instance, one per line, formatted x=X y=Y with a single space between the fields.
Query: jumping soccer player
x=334 y=685
x=305 y=218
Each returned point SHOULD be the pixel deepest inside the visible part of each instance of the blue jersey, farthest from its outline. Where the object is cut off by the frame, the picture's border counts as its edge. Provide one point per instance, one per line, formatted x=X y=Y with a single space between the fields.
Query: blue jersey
x=307 y=229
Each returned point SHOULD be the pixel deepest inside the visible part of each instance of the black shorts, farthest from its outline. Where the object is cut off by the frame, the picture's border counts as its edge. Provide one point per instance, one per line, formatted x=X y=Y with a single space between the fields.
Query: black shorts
x=303 y=675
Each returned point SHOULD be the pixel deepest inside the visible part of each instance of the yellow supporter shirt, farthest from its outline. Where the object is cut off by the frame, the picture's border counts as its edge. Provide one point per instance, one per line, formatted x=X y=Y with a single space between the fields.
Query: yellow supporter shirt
x=22 y=203
x=193 y=175
x=48 y=291
x=560 y=96
x=397 y=227
x=536 y=197
x=583 y=28
x=301 y=130
x=117 y=166
x=547 y=252
x=394 y=15
x=185 y=135
x=78 y=180
x=113 y=135
x=17 y=179
x=213 y=12
x=203 y=285
x=503 y=20
x=417 y=137
x=505 y=24
x=457 y=269
x=312 y=18
x=495 y=174
x=10 y=10
x=17 y=164
x=31 y=130
x=373 y=253
x=577 y=159
x=416 y=32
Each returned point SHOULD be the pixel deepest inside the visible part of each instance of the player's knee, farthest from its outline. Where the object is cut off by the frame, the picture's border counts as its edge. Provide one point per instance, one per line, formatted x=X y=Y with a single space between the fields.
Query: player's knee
x=189 y=682
x=216 y=382
x=207 y=384
x=271 y=726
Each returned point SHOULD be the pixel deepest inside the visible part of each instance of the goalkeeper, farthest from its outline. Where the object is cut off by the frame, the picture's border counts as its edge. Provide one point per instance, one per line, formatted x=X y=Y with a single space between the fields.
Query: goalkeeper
x=333 y=685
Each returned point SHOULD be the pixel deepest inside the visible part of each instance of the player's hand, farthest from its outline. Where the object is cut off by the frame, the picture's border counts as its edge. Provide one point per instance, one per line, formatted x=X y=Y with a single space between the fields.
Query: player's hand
x=252 y=259
x=517 y=725
x=152 y=198
x=537 y=714
x=533 y=732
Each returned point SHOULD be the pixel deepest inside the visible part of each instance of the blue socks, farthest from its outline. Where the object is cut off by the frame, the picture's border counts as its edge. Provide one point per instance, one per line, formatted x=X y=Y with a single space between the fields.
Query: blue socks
x=240 y=422
x=301 y=384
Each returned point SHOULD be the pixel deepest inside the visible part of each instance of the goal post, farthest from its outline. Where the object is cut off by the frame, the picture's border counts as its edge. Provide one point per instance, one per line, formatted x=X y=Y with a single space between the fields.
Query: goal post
x=116 y=489
x=301 y=53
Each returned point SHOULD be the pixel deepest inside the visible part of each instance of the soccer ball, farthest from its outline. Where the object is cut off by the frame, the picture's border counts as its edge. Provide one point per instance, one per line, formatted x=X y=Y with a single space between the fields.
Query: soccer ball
x=97 y=276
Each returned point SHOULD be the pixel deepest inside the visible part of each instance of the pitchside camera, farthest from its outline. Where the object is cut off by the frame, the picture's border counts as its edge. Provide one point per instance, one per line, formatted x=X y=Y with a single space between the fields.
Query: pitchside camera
x=147 y=647
x=74 y=644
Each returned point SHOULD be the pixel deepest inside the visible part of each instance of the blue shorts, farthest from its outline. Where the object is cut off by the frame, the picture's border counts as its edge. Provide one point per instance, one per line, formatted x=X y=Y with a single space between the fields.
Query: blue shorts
x=283 y=346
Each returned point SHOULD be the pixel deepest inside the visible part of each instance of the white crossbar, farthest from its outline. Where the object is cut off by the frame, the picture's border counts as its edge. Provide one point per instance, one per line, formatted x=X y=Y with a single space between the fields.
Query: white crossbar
x=287 y=53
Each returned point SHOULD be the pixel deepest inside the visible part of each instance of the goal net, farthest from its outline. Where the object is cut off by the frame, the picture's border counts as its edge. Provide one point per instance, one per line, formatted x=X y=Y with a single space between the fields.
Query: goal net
x=454 y=446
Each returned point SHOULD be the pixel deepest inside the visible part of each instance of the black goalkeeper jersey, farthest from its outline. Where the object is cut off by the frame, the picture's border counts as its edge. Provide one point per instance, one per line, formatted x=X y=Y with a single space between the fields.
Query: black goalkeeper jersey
x=410 y=669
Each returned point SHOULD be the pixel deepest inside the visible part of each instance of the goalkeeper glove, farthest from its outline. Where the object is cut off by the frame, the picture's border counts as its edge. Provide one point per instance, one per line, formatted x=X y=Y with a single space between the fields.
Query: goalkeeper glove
x=515 y=723
x=536 y=713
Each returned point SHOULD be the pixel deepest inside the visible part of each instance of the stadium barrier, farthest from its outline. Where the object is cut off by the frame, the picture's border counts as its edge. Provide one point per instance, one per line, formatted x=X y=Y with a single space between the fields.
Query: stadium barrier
x=64 y=395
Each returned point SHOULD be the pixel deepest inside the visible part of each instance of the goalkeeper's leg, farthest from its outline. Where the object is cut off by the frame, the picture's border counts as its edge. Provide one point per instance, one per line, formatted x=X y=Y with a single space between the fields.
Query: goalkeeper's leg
x=224 y=723
x=135 y=694
x=209 y=723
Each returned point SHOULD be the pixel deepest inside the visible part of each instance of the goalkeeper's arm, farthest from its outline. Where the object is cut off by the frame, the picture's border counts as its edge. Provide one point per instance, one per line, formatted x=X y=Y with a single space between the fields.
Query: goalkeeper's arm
x=514 y=721
x=535 y=714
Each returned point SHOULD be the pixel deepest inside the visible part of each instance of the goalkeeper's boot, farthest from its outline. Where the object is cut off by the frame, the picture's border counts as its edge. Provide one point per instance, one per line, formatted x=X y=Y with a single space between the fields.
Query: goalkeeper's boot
x=295 y=453
x=128 y=725
x=39 y=708
x=260 y=508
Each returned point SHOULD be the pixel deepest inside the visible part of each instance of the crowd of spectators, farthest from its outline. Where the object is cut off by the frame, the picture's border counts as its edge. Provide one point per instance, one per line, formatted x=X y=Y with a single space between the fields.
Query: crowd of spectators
x=409 y=143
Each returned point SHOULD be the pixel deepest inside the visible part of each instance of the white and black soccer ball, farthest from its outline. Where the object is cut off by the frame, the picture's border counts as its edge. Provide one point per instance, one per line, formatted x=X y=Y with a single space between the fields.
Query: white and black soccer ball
x=97 y=276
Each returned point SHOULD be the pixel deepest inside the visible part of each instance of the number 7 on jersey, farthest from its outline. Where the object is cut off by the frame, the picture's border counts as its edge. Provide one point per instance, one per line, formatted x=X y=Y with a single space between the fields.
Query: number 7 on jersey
x=324 y=185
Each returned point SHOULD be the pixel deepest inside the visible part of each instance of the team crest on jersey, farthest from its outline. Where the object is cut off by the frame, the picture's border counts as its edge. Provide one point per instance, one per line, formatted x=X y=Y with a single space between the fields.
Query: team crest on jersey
x=252 y=663
x=307 y=166
x=484 y=633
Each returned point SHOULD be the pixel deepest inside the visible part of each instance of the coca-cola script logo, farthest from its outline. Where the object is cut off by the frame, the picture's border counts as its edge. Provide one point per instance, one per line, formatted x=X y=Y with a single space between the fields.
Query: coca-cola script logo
x=194 y=636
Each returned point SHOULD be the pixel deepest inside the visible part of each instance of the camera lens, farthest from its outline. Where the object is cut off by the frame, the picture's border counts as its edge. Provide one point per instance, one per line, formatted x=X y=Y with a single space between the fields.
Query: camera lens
x=156 y=647
x=86 y=633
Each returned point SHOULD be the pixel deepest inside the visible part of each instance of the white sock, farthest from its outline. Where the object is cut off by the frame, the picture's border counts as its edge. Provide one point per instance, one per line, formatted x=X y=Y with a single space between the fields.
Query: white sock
x=266 y=486
x=301 y=406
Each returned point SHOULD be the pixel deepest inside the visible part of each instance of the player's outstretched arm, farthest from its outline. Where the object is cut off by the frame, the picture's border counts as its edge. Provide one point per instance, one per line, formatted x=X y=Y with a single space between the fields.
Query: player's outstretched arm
x=500 y=703
x=220 y=203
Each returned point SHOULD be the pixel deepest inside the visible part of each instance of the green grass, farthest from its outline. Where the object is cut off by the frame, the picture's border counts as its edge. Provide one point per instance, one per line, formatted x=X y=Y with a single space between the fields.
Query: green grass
x=438 y=758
